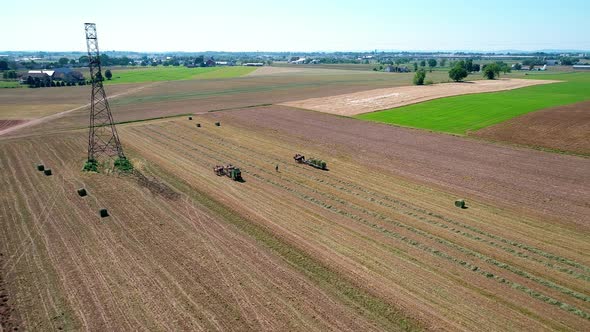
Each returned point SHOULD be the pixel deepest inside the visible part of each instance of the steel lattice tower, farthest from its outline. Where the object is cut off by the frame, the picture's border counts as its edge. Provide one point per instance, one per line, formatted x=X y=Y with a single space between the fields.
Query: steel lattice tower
x=103 y=139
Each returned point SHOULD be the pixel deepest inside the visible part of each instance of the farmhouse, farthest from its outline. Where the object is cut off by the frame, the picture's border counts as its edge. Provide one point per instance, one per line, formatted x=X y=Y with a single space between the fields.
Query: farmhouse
x=581 y=67
x=253 y=64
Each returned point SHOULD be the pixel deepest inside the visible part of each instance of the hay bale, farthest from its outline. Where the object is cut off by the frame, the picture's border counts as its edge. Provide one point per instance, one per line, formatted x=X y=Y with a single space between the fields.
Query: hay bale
x=47 y=171
x=460 y=203
x=40 y=167
x=190 y=117
x=82 y=192
x=218 y=124
x=104 y=213
x=198 y=125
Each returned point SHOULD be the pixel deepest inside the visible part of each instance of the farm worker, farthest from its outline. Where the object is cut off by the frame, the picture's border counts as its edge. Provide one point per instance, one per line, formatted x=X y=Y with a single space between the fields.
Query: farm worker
x=277 y=167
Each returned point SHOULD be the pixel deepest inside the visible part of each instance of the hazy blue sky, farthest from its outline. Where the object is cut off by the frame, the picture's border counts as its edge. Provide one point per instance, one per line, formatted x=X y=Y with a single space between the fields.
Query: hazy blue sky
x=299 y=25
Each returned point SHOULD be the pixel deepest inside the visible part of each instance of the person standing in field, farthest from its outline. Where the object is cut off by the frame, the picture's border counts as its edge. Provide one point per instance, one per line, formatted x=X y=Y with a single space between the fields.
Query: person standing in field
x=277 y=167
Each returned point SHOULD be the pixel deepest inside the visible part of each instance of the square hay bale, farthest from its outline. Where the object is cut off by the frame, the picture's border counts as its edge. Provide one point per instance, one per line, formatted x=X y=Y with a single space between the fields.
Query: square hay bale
x=47 y=171
x=460 y=203
x=40 y=167
x=190 y=117
x=104 y=213
x=82 y=192
x=218 y=123
x=198 y=125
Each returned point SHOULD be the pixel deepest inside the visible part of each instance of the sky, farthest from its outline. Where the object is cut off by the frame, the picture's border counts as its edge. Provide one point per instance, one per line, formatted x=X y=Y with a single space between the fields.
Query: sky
x=297 y=25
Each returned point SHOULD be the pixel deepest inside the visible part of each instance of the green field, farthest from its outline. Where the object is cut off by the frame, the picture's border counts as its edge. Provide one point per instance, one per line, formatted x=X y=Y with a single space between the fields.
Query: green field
x=461 y=114
x=160 y=73
x=9 y=84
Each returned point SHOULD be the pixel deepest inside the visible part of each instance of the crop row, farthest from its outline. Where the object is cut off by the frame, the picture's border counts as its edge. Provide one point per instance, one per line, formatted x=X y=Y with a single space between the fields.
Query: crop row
x=396 y=204
x=401 y=237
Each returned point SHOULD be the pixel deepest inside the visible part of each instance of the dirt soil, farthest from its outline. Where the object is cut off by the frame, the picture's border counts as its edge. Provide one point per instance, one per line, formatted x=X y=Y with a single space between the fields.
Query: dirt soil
x=156 y=263
x=564 y=128
x=4 y=124
x=381 y=99
x=555 y=185
x=490 y=265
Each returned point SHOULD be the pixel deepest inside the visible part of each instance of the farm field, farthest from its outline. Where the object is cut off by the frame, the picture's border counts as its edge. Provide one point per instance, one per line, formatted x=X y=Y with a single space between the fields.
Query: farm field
x=156 y=99
x=157 y=74
x=469 y=113
x=562 y=128
x=373 y=243
x=160 y=262
x=379 y=99
x=368 y=223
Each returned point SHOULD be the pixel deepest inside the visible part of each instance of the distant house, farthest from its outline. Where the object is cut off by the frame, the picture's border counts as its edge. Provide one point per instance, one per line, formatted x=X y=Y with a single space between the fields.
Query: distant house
x=299 y=61
x=67 y=75
x=210 y=63
x=581 y=67
x=552 y=62
x=389 y=69
x=221 y=63
x=253 y=64
x=44 y=75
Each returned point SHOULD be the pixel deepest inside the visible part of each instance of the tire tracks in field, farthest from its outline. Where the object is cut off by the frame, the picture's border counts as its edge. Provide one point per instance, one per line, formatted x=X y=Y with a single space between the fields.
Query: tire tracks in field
x=399 y=203
x=439 y=240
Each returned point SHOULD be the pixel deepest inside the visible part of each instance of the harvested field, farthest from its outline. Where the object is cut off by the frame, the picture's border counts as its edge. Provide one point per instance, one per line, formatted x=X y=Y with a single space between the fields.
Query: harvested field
x=197 y=96
x=267 y=70
x=450 y=268
x=557 y=186
x=154 y=264
x=564 y=128
x=380 y=99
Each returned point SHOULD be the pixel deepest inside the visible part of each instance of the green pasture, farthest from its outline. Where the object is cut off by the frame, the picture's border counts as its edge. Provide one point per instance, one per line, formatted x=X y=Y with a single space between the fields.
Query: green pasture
x=9 y=84
x=171 y=73
x=461 y=114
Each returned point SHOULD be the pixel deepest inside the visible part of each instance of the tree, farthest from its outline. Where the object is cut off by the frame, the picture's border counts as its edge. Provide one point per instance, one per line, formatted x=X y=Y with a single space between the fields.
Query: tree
x=63 y=61
x=10 y=74
x=3 y=65
x=566 y=61
x=517 y=66
x=458 y=72
x=72 y=61
x=431 y=64
x=415 y=66
x=423 y=63
x=83 y=60
x=108 y=74
x=475 y=67
x=419 y=77
x=491 y=71
x=468 y=65
x=199 y=60
x=443 y=62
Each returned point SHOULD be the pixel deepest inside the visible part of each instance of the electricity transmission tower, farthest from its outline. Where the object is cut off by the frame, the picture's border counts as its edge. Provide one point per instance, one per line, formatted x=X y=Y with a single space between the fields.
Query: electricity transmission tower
x=103 y=139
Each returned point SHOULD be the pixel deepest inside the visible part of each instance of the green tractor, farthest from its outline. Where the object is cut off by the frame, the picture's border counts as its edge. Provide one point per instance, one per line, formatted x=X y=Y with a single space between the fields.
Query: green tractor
x=230 y=171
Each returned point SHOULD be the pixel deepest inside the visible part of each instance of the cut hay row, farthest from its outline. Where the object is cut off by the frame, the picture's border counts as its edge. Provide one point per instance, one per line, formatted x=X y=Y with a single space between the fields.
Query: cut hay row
x=103 y=270
x=547 y=259
x=201 y=154
x=440 y=240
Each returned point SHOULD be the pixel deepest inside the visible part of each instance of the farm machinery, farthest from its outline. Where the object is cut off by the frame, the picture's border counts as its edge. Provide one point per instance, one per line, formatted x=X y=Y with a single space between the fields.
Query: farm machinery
x=317 y=163
x=230 y=171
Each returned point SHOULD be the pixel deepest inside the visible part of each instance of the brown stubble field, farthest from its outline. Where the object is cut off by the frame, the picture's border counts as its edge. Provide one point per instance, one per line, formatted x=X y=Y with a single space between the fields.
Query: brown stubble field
x=563 y=128
x=450 y=268
x=156 y=263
